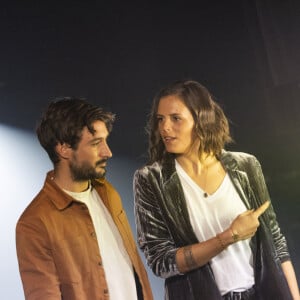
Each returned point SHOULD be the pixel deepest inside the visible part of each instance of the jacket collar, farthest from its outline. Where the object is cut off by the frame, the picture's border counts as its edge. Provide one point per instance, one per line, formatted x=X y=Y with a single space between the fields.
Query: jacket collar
x=229 y=162
x=238 y=176
x=175 y=205
x=62 y=200
x=168 y=169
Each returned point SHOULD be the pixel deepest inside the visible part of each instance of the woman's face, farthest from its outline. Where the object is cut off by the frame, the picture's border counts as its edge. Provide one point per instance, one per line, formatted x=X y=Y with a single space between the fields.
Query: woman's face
x=175 y=125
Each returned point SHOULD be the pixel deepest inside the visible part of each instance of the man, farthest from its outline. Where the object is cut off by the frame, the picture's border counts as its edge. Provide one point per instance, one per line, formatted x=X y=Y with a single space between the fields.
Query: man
x=74 y=240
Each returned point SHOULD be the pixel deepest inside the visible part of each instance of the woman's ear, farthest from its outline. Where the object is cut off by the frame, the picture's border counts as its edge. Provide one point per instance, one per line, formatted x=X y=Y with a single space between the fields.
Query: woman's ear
x=63 y=150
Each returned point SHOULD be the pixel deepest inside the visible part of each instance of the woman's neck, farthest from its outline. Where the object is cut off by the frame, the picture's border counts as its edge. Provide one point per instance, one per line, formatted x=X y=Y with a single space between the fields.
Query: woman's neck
x=193 y=164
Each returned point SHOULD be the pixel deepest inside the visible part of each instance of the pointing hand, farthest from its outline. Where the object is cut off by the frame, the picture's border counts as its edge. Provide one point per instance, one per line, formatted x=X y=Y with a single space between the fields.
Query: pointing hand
x=245 y=225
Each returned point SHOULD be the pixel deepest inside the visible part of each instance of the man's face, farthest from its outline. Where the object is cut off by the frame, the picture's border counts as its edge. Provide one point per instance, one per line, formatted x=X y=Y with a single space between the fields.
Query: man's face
x=89 y=159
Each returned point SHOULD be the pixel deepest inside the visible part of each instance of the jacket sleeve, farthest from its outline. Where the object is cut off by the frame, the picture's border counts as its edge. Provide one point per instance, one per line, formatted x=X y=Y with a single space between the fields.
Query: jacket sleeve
x=269 y=217
x=153 y=235
x=37 y=269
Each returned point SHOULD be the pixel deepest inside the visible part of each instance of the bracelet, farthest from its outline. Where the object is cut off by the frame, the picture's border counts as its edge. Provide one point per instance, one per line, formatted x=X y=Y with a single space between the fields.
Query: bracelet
x=234 y=236
x=221 y=242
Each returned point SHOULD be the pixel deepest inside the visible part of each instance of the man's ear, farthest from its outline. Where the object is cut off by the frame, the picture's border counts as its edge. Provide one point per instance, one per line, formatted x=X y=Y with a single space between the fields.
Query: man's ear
x=63 y=150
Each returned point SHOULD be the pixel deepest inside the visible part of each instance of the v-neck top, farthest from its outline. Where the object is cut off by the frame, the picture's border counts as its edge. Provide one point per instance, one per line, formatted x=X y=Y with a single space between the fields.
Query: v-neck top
x=233 y=267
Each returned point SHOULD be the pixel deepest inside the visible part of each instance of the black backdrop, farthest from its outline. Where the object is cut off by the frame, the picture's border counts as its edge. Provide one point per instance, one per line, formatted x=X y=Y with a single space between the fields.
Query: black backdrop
x=119 y=53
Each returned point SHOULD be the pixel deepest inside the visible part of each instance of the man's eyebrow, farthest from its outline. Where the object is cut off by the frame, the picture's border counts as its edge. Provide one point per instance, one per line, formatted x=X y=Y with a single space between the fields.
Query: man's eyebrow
x=96 y=139
x=99 y=138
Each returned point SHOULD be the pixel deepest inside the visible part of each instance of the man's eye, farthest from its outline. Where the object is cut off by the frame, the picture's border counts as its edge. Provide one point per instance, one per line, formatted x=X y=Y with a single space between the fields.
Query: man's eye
x=96 y=143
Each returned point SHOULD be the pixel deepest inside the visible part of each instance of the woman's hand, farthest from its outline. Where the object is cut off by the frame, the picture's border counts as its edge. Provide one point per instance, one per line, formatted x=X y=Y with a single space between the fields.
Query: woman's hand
x=245 y=225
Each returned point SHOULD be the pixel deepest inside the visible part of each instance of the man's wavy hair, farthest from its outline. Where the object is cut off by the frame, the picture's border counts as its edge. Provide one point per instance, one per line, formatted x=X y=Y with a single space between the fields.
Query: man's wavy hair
x=211 y=125
x=64 y=120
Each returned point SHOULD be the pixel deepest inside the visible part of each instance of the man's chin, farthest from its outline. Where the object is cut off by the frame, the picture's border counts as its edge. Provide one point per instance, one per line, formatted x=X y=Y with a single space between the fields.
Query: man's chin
x=100 y=175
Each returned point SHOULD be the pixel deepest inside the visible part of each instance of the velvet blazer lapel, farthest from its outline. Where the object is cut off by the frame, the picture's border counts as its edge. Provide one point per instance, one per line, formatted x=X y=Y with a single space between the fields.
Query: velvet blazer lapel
x=174 y=205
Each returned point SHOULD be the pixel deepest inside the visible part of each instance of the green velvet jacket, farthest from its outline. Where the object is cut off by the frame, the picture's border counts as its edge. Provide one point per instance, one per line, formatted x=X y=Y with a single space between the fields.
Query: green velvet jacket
x=163 y=226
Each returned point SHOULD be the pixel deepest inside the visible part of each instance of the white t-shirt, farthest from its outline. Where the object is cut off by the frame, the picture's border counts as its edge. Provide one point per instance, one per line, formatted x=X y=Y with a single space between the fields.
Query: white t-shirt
x=233 y=267
x=116 y=262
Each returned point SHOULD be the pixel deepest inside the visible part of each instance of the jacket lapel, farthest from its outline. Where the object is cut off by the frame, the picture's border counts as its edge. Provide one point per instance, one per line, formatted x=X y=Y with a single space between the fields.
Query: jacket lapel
x=238 y=177
x=174 y=205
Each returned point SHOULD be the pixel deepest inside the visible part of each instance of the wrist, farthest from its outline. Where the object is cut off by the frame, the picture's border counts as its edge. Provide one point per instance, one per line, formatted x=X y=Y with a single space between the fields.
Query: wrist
x=226 y=238
x=234 y=235
x=221 y=242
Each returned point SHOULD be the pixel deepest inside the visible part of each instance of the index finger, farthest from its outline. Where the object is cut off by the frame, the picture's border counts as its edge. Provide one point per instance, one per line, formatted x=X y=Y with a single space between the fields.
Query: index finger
x=260 y=210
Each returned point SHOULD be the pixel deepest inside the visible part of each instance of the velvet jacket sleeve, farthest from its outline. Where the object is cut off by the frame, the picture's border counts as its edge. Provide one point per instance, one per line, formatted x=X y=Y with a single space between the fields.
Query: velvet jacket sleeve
x=269 y=219
x=154 y=237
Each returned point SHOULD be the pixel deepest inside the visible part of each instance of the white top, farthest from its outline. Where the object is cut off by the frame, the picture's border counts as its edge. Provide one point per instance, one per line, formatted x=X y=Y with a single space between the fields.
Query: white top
x=233 y=267
x=116 y=262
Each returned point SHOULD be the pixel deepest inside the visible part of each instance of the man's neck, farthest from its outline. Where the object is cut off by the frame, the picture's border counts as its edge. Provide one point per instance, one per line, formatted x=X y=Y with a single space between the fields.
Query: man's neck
x=65 y=182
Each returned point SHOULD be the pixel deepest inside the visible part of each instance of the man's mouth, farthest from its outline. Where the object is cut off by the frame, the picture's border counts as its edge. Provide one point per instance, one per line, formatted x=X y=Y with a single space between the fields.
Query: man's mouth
x=101 y=163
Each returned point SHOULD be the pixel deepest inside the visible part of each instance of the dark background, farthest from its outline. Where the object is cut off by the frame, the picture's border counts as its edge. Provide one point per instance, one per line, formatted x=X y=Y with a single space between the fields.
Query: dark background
x=118 y=54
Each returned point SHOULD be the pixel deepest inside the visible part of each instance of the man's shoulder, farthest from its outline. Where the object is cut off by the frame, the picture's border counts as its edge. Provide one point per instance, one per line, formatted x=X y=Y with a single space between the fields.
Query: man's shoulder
x=39 y=207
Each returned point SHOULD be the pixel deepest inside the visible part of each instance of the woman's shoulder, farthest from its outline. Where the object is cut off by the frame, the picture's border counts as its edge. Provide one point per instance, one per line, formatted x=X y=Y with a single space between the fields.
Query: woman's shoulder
x=239 y=158
x=237 y=154
x=149 y=168
x=158 y=170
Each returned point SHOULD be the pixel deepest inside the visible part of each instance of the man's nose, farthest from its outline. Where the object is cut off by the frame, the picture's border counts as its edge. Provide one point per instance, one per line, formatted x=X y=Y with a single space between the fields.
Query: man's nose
x=105 y=151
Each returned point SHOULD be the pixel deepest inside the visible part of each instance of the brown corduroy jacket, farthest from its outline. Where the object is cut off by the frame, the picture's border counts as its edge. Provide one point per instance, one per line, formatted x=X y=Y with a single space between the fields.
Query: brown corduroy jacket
x=57 y=248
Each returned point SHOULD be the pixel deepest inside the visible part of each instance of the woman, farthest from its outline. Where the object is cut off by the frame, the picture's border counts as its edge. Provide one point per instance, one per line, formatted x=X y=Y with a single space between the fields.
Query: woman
x=203 y=214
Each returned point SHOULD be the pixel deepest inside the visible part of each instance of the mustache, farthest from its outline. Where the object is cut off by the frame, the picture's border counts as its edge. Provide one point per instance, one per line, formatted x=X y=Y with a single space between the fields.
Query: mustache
x=99 y=162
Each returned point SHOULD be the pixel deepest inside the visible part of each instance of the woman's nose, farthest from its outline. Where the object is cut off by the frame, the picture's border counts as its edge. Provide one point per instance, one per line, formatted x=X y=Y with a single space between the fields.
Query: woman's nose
x=165 y=125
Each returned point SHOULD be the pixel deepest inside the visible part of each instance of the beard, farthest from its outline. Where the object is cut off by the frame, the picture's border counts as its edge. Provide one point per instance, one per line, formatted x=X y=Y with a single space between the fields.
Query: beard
x=85 y=171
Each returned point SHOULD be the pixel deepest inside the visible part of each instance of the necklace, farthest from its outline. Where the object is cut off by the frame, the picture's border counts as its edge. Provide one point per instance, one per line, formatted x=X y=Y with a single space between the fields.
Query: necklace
x=205 y=194
x=206 y=169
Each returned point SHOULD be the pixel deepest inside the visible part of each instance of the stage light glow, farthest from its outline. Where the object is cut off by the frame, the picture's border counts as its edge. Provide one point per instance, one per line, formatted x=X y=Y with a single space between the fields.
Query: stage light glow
x=23 y=165
x=23 y=169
